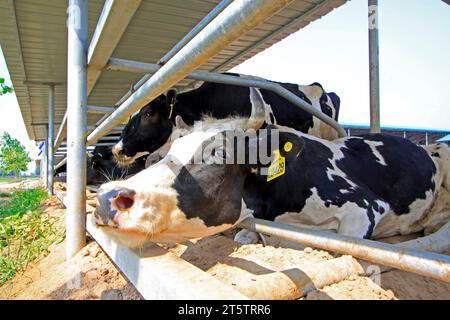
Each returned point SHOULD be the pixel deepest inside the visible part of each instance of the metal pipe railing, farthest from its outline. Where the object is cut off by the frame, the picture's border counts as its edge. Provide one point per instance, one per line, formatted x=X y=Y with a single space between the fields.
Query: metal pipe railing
x=61 y=163
x=200 y=26
x=62 y=131
x=101 y=110
x=428 y=264
x=239 y=17
x=141 y=67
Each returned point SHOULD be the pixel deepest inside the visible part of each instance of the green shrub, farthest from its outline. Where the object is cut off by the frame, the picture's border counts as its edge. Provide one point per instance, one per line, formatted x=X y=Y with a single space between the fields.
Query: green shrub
x=25 y=232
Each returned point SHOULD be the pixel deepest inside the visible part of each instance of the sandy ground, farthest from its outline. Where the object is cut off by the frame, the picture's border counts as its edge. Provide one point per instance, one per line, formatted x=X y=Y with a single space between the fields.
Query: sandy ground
x=25 y=184
x=251 y=269
x=88 y=275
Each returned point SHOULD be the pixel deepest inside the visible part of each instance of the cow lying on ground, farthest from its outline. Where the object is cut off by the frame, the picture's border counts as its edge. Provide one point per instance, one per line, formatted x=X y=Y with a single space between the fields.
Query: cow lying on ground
x=367 y=186
x=101 y=167
x=151 y=127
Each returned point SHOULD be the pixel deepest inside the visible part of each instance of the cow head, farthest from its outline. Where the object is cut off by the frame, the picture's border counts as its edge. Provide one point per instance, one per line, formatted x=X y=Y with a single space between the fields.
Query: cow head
x=192 y=192
x=146 y=130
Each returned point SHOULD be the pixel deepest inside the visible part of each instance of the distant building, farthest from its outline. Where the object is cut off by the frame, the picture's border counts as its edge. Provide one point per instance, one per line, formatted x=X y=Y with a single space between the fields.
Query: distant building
x=37 y=168
x=422 y=136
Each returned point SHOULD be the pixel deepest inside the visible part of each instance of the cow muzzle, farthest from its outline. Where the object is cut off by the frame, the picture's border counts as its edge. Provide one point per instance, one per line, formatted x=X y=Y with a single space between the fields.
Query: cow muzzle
x=111 y=204
x=121 y=156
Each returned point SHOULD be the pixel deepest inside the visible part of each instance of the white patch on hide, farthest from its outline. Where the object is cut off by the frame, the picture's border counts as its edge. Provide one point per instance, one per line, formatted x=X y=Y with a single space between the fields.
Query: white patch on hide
x=373 y=146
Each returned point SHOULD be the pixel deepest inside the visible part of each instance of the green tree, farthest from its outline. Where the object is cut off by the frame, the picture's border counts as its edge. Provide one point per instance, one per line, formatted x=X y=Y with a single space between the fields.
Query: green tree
x=13 y=156
x=4 y=88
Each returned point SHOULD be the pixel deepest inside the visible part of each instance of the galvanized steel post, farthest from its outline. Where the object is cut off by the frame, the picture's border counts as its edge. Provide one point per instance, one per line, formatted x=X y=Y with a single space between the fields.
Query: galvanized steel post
x=44 y=174
x=374 y=70
x=50 y=135
x=76 y=126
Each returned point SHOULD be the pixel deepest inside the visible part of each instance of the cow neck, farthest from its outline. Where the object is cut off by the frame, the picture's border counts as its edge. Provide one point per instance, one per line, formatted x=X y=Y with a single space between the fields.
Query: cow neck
x=188 y=107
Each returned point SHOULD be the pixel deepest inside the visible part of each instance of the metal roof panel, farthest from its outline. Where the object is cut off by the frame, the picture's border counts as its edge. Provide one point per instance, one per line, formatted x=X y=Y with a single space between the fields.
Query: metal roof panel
x=34 y=42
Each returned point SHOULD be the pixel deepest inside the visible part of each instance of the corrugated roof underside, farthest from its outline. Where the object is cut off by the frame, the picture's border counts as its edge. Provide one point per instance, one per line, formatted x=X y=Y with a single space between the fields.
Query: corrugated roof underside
x=34 y=42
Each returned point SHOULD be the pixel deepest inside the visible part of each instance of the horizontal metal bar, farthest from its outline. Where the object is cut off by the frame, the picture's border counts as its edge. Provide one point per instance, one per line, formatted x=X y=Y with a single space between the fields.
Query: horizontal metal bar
x=62 y=131
x=428 y=264
x=104 y=144
x=117 y=128
x=109 y=138
x=238 y=18
x=61 y=163
x=96 y=109
x=141 y=67
x=133 y=89
x=98 y=144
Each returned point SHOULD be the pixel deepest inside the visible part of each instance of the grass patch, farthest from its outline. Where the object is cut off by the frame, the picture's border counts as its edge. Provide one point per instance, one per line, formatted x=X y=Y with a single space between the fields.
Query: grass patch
x=9 y=179
x=13 y=179
x=22 y=201
x=25 y=231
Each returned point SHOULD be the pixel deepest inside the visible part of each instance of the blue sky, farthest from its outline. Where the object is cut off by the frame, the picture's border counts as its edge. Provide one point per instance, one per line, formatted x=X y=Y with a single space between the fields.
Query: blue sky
x=414 y=64
x=414 y=61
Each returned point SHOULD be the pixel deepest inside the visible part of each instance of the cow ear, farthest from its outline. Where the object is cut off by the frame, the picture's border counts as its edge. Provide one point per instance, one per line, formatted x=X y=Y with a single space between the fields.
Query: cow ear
x=313 y=91
x=171 y=96
x=336 y=102
x=180 y=124
x=291 y=145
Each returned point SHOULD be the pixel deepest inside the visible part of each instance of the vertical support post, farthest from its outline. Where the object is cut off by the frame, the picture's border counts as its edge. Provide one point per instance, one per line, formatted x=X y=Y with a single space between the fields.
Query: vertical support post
x=76 y=126
x=426 y=138
x=44 y=173
x=50 y=135
x=374 y=70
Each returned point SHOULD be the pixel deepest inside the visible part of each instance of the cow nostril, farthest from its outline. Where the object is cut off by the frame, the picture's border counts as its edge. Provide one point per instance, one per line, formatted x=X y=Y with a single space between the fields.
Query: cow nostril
x=116 y=150
x=123 y=202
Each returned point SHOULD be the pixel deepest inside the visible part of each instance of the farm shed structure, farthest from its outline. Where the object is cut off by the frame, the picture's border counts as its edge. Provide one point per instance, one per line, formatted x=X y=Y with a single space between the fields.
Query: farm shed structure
x=64 y=60
x=422 y=136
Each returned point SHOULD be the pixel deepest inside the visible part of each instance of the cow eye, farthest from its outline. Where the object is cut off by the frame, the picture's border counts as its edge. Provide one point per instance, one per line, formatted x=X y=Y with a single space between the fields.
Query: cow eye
x=220 y=153
x=149 y=113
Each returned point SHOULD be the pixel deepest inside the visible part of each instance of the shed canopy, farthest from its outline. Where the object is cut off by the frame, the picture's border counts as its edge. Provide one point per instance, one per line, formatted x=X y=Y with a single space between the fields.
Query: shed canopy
x=34 y=41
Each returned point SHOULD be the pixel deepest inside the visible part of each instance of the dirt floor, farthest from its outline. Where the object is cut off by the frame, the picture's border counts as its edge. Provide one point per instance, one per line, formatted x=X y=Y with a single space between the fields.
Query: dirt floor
x=24 y=184
x=255 y=270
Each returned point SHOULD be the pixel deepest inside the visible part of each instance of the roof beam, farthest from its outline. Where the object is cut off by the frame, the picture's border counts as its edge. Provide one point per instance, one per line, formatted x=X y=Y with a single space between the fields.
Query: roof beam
x=23 y=73
x=111 y=25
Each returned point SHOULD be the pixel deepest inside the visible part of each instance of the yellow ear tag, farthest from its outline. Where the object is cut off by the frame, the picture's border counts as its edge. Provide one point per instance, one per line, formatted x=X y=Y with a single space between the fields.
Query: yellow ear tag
x=171 y=110
x=277 y=167
x=126 y=121
x=287 y=146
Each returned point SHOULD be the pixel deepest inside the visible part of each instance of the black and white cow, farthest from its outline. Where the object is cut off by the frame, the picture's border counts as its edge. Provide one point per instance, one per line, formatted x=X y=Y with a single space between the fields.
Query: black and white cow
x=150 y=128
x=101 y=167
x=367 y=186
